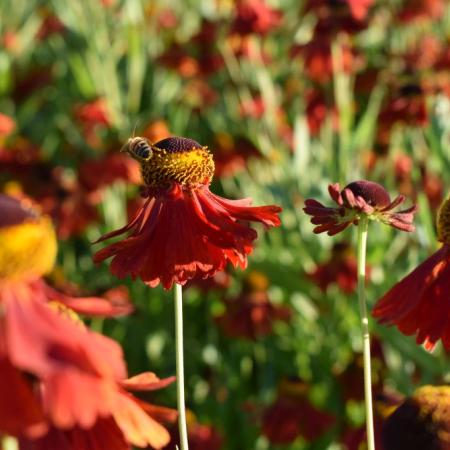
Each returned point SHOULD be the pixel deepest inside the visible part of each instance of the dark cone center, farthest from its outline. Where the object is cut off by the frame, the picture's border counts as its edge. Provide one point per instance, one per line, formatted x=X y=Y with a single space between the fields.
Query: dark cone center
x=374 y=194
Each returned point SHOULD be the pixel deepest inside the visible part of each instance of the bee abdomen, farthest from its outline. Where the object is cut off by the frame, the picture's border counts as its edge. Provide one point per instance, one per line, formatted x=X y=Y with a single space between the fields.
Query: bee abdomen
x=139 y=148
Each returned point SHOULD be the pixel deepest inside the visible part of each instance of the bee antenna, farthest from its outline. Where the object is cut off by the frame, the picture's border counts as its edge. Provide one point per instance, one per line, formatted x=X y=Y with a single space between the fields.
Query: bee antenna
x=134 y=129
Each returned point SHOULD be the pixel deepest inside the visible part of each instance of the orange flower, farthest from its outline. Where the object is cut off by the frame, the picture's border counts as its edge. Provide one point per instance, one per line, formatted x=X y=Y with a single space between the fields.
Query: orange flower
x=7 y=125
x=183 y=230
x=420 y=303
x=78 y=376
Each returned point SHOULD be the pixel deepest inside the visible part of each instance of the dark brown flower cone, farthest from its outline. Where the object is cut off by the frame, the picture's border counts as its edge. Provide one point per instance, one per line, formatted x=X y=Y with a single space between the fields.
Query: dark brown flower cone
x=422 y=422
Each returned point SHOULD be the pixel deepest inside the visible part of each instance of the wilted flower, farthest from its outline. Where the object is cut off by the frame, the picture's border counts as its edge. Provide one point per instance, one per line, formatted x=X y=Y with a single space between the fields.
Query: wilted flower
x=251 y=314
x=292 y=415
x=358 y=199
x=419 y=303
x=421 y=422
x=183 y=230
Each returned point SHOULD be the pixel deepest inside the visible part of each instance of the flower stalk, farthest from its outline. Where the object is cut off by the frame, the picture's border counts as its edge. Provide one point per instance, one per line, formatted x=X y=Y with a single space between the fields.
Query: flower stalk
x=362 y=241
x=178 y=300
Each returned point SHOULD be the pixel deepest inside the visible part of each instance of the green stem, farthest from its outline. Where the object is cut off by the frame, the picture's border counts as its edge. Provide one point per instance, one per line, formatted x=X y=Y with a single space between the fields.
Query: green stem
x=180 y=367
x=362 y=241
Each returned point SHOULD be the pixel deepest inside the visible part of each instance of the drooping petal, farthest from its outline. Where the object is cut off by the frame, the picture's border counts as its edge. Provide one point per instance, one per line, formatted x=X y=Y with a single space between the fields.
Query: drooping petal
x=146 y=381
x=137 y=426
x=186 y=234
x=407 y=294
x=90 y=306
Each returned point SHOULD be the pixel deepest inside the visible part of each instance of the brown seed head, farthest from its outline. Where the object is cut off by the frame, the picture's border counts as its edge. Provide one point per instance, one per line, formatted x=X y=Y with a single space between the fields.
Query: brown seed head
x=176 y=144
x=421 y=422
x=443 y=222
x=373 y=193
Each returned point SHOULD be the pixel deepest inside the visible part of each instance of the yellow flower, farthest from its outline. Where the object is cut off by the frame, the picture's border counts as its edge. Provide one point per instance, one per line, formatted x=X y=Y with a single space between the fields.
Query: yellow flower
x=27 y=241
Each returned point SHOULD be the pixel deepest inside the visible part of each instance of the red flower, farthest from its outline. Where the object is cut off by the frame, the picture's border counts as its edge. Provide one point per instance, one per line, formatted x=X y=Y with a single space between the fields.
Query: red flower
x=359 y=198
x=341 y=269
x=96 y=174
x=92 y=116
x=255 y=17
x=183 y=230
x=406 y=107
x=292 y=415
x=422 y=10
x=349 y=10
x=360 y=8
x=156 y=131
x=231 y=154
x=80 y=373
x=220 y=281
x=420 y=303
x=350 y=378
x=318 y=62
x=7 y=125
x=317 y=111
x=50 y=25
x=356 y=438
x=75 y=377
x=251 y=314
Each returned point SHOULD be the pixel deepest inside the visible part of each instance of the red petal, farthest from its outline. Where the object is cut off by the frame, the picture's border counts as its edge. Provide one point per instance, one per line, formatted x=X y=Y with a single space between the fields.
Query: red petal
x=146 y=381
x=406 y=295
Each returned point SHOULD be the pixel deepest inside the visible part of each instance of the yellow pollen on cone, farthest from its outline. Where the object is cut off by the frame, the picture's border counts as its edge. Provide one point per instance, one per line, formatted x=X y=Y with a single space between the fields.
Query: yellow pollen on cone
x=27 y=250
x=188 y=168
x=443 y=222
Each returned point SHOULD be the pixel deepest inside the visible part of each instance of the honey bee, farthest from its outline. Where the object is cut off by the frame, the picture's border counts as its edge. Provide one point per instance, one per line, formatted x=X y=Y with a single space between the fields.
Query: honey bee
x=139 y=148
